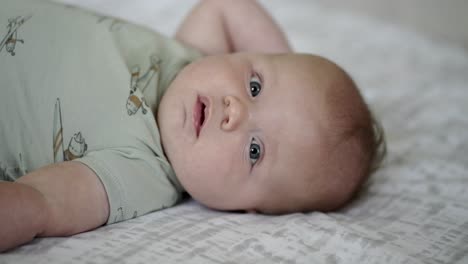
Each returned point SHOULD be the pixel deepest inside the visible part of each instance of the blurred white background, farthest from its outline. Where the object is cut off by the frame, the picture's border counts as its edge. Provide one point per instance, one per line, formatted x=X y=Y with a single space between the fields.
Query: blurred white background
x=440 y=20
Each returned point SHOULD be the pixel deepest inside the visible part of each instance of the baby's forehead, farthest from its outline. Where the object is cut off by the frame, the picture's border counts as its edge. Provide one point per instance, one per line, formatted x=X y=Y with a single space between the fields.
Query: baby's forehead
x=304 y=132
x=296 y=116
x=298 y=149
x=322 y=102
x=294 y=174
x=301 y=173
x=308 y=93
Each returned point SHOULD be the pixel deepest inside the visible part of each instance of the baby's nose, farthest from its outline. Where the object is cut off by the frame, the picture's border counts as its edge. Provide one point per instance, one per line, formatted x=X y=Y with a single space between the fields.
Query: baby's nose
x=234 y=113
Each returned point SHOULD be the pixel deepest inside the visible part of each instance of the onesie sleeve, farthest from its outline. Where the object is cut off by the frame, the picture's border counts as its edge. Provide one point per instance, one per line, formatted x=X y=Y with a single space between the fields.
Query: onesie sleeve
x=136 y=183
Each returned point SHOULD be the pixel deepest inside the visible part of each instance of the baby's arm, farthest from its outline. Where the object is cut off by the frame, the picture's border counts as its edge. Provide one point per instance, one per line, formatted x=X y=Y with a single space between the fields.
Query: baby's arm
x=217 y=27
x=57 y=200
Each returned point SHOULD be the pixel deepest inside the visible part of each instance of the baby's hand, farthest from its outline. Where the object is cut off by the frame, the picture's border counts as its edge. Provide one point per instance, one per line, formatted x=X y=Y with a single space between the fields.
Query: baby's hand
x=217 y=27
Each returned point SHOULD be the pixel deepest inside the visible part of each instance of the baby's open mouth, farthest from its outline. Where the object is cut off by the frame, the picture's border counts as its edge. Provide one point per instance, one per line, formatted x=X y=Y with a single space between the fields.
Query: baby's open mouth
x=200 y=112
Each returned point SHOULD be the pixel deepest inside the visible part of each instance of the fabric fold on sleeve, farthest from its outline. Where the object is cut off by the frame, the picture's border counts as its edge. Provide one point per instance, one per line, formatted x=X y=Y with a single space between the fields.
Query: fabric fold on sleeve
x=135 y=182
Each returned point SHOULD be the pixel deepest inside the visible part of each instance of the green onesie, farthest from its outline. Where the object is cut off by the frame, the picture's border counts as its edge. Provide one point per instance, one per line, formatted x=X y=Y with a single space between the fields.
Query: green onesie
x=80 y=86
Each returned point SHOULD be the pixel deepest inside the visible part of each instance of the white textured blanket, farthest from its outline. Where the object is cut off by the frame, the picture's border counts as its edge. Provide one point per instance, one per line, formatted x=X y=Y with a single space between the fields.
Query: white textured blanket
x=413 y=210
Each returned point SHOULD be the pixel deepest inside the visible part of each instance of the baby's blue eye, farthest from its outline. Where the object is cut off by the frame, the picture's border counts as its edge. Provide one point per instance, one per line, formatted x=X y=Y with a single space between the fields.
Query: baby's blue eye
x=255 y=85
x=254 y=152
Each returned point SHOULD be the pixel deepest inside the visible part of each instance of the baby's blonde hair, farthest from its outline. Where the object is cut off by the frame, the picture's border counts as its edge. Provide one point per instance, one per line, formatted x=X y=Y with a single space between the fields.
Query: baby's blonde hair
x=358 y=134
x=356 y=142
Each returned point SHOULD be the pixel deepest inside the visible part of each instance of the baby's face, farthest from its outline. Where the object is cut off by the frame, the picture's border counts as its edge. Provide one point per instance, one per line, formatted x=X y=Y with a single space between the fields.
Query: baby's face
x=241 y=131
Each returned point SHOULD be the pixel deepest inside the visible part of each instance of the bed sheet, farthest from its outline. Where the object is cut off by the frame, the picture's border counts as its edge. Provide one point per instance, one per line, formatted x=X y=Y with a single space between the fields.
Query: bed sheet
x=413 y=210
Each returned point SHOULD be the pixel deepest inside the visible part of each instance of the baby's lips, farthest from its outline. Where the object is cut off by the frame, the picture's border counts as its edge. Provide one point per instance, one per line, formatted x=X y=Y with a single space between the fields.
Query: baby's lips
x=197 y=116
x=206 y=103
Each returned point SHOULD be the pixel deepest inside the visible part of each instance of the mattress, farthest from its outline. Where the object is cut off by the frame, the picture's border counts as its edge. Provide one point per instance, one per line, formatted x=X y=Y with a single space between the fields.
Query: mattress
x=412 y=210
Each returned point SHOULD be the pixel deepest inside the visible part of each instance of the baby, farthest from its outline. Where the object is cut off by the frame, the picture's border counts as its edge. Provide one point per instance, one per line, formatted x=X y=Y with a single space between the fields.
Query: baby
x=248 y=125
